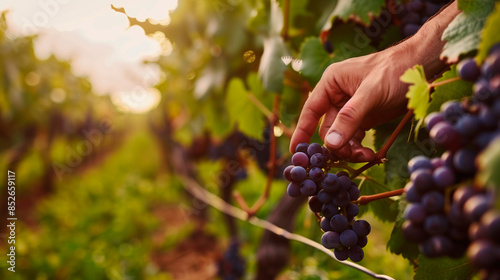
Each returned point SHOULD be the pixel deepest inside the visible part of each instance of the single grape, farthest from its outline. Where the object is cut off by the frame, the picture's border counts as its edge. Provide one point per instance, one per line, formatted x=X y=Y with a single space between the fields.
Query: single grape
x=352 y=210
x=298 y=174
x=308 y=187
x=314 y=148
x=446 y=136
x=329 y=210
x=436 y=163
x=316 y=174
x=491 y=222
x=468 y=70
x=362 y=241
x=339 y=223
x=314 y=204
x=345 y=182
x=476 y=206
x=348 y=238
x=443 y=177
x=325 y=224
x=324 y=196
x=330 y=183
x=412 y=232
x=341 y=254
x=318 y=160
x=341 y=198
x=361 y=227
x=422 y=179
x=302 y=148
x=342 y=173
x=293 y=189
x=415 y=6
x=356 y=253
x=468 y=125
x=436 y=224
x=433 y=119
x=483 y=254
x=482 y=91
x=330 y=240
x=494 y=60
x=419 y=162
x=300 y=159
x=462 y=194
x=433 y=202
x=411 y=193
x=477 y=232
x=286 y=173
x=415 y=213
x=463 y=160
x=436 y=246
x=353 y=192
x=452 y=111
x=488 y=118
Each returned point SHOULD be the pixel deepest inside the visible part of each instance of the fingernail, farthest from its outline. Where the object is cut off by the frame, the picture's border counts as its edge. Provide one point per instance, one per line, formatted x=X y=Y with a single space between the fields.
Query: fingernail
x=334 y=139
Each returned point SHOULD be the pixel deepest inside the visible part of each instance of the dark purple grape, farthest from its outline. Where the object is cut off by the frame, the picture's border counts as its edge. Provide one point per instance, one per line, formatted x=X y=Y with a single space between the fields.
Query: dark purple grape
x=341 y=254
x=300 y=159
x=447 y=158
x=468 y=125
x=456 y=216
x=436 y=246
x=436 y=224
x=412 y=232
x=329 y=210
x=482 y=91
x=493 y=60
x=330 y=183
x=318 y=160
x=433 y=202
x=302 y=147
x=452 y=111
x=485 y=138
x=348 y=238
x=431 y=9
x=362 y=241
x=328 y=46
x=355 y=253
x=462 y=194
x=411 y=193
x=293 y=189
x=325 y=224
x=488 y=118
x=286 y=173
x=342 y=173
x=361 y=227
x=341 y=198
x=415 y=6
x=314 y=204
x=468 y=70
x=339 y=223
x=298 y=174
x=314 y=148
x=494 y=49
x=436 y=163
x=330 y=240
x=411 y=28
x=483 y=254
x=422 y=179
x=419 y=162
x=345 y=183
x=491 y=222
x=443 y=177
x=308 y=187
x=352 y=210
x=477 y=232
x=316 y=174
x=324 y=196
x=415 y=213
x=476 y=206
x=433 y=119
x=463 y=160
x=353 y=192
x=446 y=136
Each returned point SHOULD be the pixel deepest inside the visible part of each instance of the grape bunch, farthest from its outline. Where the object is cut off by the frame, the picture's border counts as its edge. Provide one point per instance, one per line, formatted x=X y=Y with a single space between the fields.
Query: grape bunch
x=416 y=12
x=447 y=214
x=331 y=196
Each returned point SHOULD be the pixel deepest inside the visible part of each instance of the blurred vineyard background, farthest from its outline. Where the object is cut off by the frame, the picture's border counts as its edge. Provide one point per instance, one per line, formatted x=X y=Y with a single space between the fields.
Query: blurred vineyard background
x=99 y=136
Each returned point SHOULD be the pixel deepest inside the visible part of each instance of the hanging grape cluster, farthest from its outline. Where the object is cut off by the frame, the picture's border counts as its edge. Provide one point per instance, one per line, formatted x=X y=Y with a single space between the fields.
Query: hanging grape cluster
x=416 y=12
x=449 y=215
x=331 y=195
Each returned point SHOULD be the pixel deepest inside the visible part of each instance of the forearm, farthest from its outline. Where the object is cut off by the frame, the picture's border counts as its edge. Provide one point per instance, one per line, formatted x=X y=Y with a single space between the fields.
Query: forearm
x=426 y=46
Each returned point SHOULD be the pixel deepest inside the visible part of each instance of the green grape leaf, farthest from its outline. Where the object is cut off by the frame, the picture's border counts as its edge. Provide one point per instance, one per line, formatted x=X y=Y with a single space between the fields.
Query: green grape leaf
x=383 y=209
x=443 y=268
x=348 y=41
x=489 y=161
x=455 y=90
x=397 y=244
x=361 y=11
x=242 y=112
x=418 y=92
x=463 y=34
x=271 y=67
x=490 y=35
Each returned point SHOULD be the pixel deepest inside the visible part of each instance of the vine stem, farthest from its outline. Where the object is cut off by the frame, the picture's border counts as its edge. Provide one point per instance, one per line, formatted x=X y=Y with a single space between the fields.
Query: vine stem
x=380 y=156
x=365 y=199
x=286 y=19
x=437 y=84
x=216 y=202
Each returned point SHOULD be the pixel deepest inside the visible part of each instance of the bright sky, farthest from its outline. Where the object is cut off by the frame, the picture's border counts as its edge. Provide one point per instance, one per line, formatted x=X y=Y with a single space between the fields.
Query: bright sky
x=99 y=42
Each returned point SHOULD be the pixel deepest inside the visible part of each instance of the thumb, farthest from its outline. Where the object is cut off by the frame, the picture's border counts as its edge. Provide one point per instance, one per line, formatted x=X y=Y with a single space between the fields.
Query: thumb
x=348 y=121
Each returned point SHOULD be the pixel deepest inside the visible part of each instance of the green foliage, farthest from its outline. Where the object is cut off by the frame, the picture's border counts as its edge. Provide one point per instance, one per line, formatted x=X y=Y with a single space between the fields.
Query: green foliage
x=455 y=90
x=360 y=10
x=490 y=34
x=443 y=268
x=418 y=92
x=373 y=183
x=463 y=34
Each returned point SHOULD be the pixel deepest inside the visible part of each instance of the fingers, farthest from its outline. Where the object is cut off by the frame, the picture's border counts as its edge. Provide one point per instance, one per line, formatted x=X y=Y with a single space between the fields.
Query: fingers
x=348 y=121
